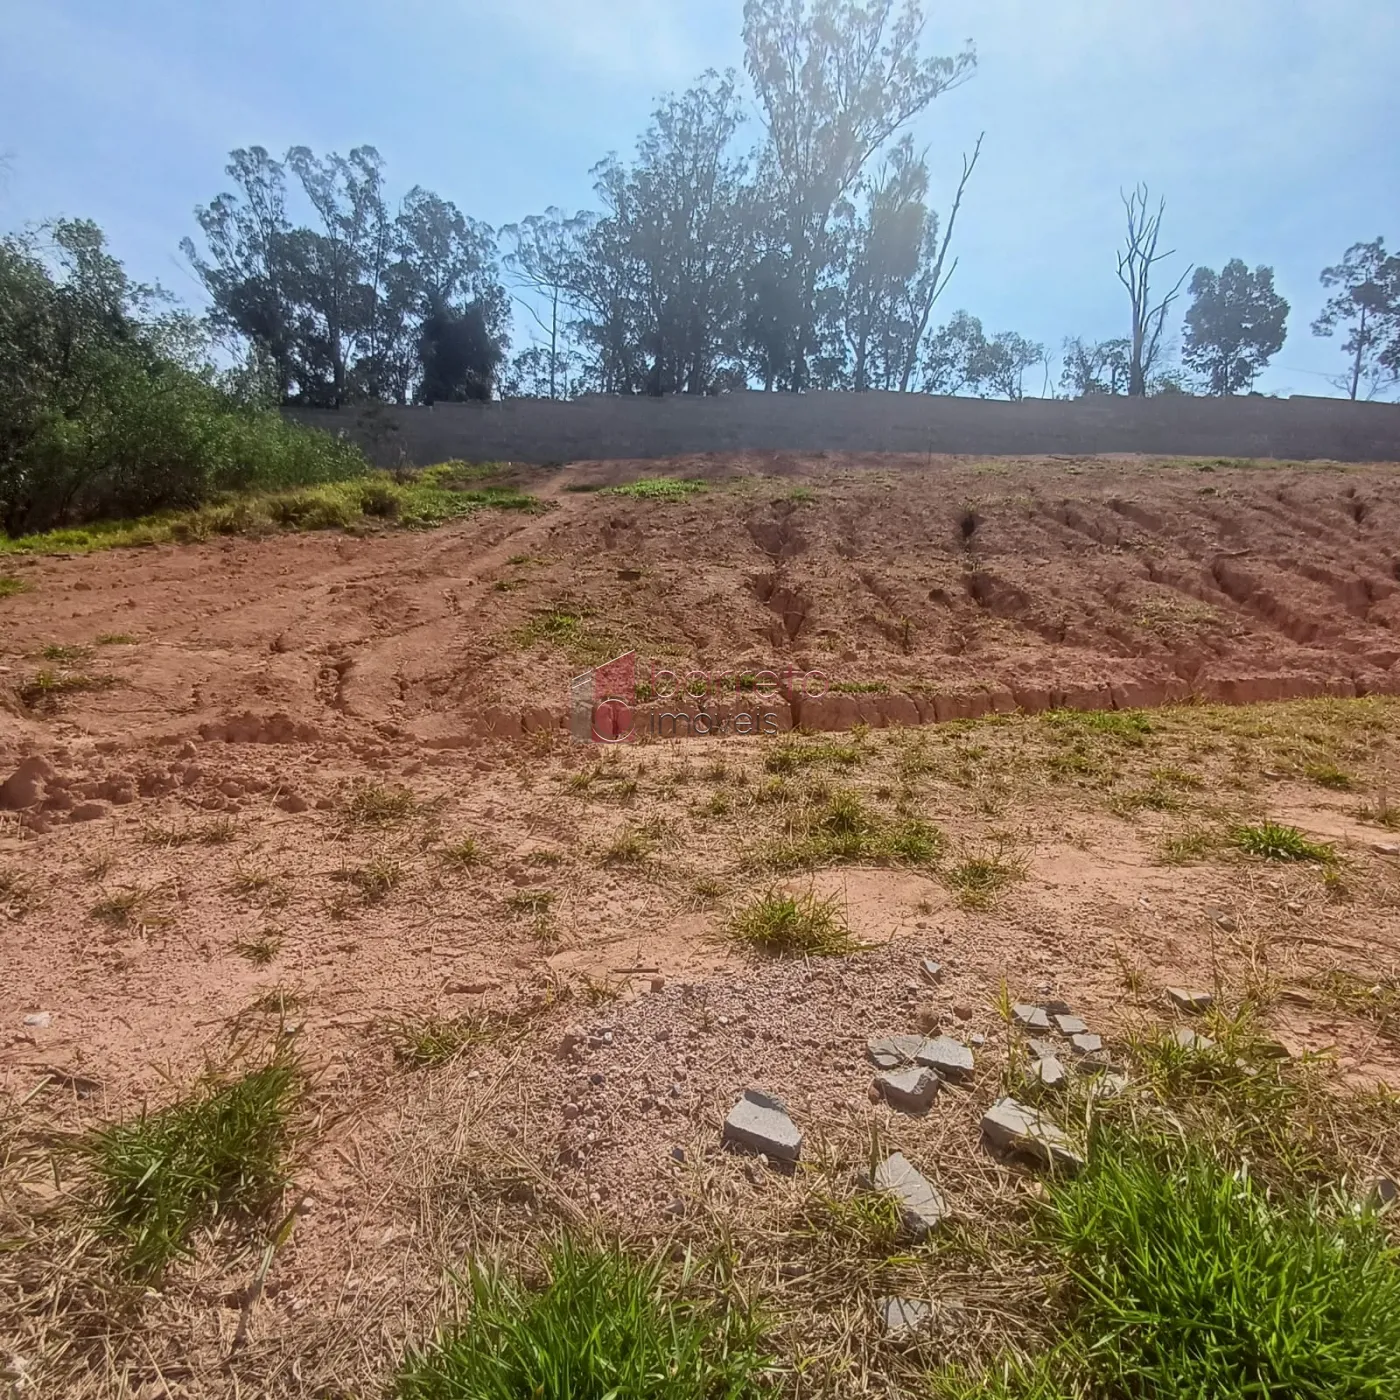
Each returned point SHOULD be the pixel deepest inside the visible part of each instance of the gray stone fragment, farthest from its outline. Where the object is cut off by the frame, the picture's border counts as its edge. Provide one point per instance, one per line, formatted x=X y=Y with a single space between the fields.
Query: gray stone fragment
x=951 y=1058
x=912 y=1090
x=1109 y=1085
x=1048 y=1072
x=1220 y=917
x=891 y=1051
x=1189 y=1040
x=1381 y=1193
x=1386 y=848
x=1089 y=1044
x=1042 y=1049
x=977 y=1040
x=39 y=1020
x=1071 y=1025
x=930 y=969
x=1014 y=1127
x=920 y=1202
x=1033 y=1017
x=1191 y=1002
x=901 y=1315
x=1055 y=1008
x=760 y=1122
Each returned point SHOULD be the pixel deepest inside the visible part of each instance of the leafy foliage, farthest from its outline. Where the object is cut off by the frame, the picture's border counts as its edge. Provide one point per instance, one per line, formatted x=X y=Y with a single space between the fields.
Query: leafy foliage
x=1236 y=324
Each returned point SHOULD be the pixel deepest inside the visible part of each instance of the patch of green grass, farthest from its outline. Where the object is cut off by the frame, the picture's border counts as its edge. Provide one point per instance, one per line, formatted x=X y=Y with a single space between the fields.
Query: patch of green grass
x=54 y=651
x=221 y=1152
x=119 y=907
x=860 y=687
x=978 y=880
x=1328 y=775
x=434 y=1040
x=45 y=688
x=115 y=639
x=657 y=488
x=533 y=902
x=1129 y=726
x=839 y=829
x=1188 y=847
x=376 y=880
x=12 y=587
x=1156 y=798
x=802 y=495
x=600 y=1327
x=1189 y=1279
x=1276 y=841
x=629 y=848
x=262 y=950
x=789 y=756
x=372 y=804
x=566 y=627
x=794 y=926
x=465 y=853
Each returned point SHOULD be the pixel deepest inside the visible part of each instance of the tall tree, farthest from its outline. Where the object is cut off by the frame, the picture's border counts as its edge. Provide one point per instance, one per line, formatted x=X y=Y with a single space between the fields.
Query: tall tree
x=1367 y=303
x=1095 y=367
x=1137 y=260
x=1236 y=324
x=543 y=251
x=836 y=80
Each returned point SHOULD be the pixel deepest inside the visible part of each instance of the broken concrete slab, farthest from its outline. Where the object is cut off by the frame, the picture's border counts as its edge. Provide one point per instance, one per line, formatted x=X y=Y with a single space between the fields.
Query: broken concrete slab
x=1380 y=1193
x=951 y=1058
x=921 y=1204
x=1042 y=1049
x=1014 y=1127
x=899 y=1316
x=1086 y=1044
x=1048 y=1072
x=760 y=1122
x=1032 y=1017
x=891 y=1051
x=1193 y=1003
x=910 y=1090
x=1189 y=1040
x=931 y=970
x=1070 y=1025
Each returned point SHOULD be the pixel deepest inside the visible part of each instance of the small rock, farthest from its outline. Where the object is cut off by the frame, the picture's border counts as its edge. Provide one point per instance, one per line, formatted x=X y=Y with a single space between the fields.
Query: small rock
x=472 y=989
x=89 y=812
x=1042 y=1049
x=1032 y=1017
x=1109 y=1084
x=760 y=1122
x=1189 y=1040
x=1049 y=1072
x=873 y=1093
x=931 y=970
x=1011 y=1125
x=977 y=1039
x=962 y=1011
x=910 y=1090
x=1055 y=1008
x=1191 y=1002
x=1087 y=1044
x=292 y=802
x=676 y=1209
x=678 y=1154
x=39 y=1020
x=596 y=1079
x=571 y=1040
x=658 y=984
x=899 y=1316
x=920 y=1202
x=1386 y=848
x=1071 y=1025
x=951 y=1058
x=1381 y=1193
x=891 y=1051
x=1221 y=918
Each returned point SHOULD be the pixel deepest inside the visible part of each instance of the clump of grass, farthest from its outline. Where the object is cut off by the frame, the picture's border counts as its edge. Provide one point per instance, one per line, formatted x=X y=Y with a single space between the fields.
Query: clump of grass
x=11 y=587
x=376 y=879
x=566 y=627
x=1190 y=1279
x=1128 y=726
x=865 y=1224
x=45 y=688
x=65 y=655
x=601 y=1326
x=1276 y=841
x=789 y=925
x=536 y=903
x=465 y=853
x=119 y=907
x=978 y=880
x=1156 y=798
x=218 y=832
x=14 y=890
x=221 y=1152
x=372 y=804
x=1328 y=775
x=1187 y=847
x=630 y=848
x=657 y=488
x=434 y=1040
x=115 y=639
x=262 y=950
x=790 y=755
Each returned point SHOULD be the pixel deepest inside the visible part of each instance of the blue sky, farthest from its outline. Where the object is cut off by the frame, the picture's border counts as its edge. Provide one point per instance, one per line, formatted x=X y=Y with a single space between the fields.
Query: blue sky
x=1269 y=125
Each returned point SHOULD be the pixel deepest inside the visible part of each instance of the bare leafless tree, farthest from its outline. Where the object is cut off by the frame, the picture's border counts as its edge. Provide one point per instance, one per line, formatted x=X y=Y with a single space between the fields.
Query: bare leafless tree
x=1136 y=261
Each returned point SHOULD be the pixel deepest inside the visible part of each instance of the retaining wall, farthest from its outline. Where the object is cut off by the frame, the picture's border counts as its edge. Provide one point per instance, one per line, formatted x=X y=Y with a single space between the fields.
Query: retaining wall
x=603 y=427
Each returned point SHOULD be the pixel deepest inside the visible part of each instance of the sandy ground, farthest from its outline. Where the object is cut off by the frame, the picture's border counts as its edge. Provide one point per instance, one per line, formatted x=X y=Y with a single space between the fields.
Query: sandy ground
x=254 y=830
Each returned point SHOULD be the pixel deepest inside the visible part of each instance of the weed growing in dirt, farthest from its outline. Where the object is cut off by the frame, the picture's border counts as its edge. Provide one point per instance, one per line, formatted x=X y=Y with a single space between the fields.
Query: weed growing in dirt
x=11 y=587
x=250 y=882
x=372 y=804
x=789 y=925
x=1328 y=775
x=1375 y=999
x=1275 y=841
x=262 y=950
x=119 y=908
x=1156 y=798
x=1188 y=847
x=978 y=880
x=218 y=832
x=66 y=655
x=44 y=689
x=466 y=853
x=566 y=627
x=14 y=890
x=789 y=756
x=375 y=880
x=839 y=828
x=601 y=1326
x=115 y=639
x=1129 y=726
x=434 y=1040
x=630 y=848
x=533 y=902
x=161 y=1177
x=657 y=488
